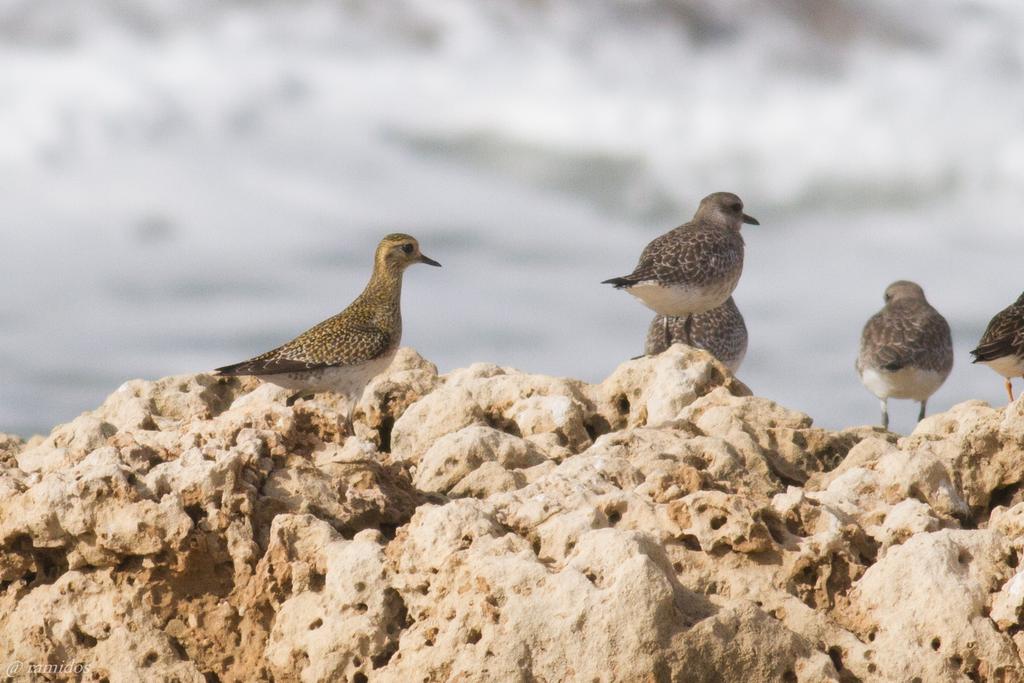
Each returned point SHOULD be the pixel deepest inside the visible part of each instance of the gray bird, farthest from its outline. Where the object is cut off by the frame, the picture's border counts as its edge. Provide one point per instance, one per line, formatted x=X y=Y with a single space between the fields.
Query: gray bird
x=343 y=353
x=906 y=349
x=720 y=331
x=695 y=267
x=1002 y=346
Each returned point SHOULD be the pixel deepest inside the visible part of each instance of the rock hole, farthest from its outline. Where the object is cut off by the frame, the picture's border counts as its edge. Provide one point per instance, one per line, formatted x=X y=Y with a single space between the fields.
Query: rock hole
x=82 y=638
x=149 y=660
x=690 y=542
x=916 y=679
x=178 y=649
x=836 y=655
x=872 y=668
x=677 y=567
x=317 y=623
x=381 y=660
x=1004 y=496
x=614 y=517
x=388 y=531
x=360 y=677
x=871 y=636
x=359 y=586
x=717 y=522
x=789 y=676
x=957 y=661
x=622 y=404
x=387 y=425
x=591 y=577
x=211 y=677
x=361 y=608
x=1012 y=560
x=964 y=557
x=473 y=637
x=936 y=643
x=195 y=512
x=357 y=661
x=317 y=581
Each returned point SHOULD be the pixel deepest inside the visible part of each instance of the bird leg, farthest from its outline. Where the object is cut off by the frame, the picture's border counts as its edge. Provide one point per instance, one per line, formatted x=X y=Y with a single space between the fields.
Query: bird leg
x=1009 y=389
x=688 y=330
x=349 y=424
x=924 y=405
x=885 y=414
x=668 y=337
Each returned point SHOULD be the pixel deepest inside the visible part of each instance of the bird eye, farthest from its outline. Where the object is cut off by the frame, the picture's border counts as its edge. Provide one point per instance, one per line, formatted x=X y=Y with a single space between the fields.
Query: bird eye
x=407 y=248
x=737 y=207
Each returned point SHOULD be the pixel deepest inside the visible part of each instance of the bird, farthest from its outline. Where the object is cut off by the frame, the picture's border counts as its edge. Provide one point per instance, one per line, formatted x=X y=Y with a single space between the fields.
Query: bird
x=720 y=331
x=906 y=349
x=695 y=267
x=1002 y=346
x=343 y=353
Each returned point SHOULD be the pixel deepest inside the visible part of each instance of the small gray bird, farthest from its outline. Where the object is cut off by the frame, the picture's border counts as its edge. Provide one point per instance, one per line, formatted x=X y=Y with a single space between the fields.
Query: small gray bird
x=343 y=353
x=695 y=267
x=1002 y=346
x=906 y=349
x=720 y=331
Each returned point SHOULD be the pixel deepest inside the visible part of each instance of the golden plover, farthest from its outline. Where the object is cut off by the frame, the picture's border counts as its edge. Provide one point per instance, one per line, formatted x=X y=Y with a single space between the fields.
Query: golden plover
x=695 y=267
x=720 y=331
x=342 y=354
x=906 y=350
x=1002 y=346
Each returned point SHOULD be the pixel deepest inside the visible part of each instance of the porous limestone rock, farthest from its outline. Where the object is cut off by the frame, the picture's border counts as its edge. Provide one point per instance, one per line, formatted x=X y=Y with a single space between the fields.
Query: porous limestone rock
x=490 y=524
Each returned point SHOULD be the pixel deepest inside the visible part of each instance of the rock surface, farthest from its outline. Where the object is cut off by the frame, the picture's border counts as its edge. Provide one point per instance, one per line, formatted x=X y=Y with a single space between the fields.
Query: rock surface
x=492 y=525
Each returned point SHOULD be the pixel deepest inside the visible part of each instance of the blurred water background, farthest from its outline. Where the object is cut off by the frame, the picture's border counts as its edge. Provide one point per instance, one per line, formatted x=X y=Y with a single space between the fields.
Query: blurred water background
x=184 y=184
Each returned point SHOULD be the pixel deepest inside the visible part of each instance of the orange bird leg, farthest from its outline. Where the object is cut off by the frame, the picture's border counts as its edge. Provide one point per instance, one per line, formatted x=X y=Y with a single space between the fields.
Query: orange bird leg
x=1009 y=389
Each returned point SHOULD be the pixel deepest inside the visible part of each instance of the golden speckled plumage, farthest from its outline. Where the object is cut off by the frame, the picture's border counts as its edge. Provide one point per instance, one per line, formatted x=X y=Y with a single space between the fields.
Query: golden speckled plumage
x=370 y=328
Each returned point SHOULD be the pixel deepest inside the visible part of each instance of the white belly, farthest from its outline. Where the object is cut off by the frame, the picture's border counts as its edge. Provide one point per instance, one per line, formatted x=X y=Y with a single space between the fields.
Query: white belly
x=1007 y=366
x=904 y=383
x=349 y=380
x=681 y=301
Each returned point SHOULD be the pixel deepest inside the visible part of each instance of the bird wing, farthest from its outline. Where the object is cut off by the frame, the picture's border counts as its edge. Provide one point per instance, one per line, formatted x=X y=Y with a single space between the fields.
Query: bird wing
x=647 y=266
x=893 y=341
x=1004 y=336
x=684 y=249
x=328 y=344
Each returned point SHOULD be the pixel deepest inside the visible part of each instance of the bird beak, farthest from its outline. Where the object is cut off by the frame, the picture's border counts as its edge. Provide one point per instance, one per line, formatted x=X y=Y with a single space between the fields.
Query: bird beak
x=751 y=220
x=429 y=261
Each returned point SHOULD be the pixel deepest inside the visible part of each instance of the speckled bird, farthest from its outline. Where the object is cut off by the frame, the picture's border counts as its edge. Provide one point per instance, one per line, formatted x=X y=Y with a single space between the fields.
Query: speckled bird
x=343 y=353
x=695 y=267
x=720 y=331
x=906 y=349
x=1002 y=346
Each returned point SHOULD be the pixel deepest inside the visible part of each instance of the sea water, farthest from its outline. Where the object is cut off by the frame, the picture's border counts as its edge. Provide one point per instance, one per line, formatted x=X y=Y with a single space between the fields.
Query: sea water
x=185 y=184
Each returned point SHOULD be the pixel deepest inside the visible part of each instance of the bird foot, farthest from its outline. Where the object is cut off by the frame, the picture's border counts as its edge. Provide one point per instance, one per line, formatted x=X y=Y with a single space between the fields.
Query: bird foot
x=298 y=395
